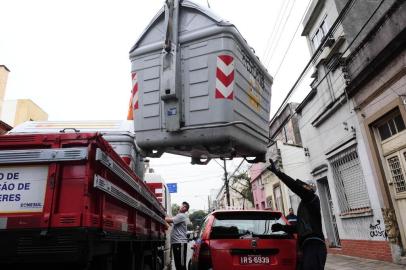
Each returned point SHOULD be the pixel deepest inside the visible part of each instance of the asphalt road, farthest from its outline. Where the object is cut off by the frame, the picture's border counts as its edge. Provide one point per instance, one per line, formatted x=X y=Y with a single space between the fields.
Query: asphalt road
x=337 y=262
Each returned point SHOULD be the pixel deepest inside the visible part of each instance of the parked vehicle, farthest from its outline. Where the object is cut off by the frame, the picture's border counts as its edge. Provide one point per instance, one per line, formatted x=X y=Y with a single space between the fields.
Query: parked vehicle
x=69 y=198
x=243 y=240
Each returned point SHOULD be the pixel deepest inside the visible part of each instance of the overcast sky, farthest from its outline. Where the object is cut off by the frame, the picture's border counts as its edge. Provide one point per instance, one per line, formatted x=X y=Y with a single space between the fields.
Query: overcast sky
x=71 y=58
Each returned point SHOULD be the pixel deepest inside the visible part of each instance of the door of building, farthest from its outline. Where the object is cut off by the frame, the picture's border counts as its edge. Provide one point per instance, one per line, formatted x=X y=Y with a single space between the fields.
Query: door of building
x=396 y=163
x=329 y=217
x=391 y=130
x=278 y=199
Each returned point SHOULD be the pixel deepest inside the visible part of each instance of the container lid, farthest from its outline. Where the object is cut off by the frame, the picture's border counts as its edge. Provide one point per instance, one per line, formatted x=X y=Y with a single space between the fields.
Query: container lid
x=105 y=127
x=195 y=22
x=159 y=18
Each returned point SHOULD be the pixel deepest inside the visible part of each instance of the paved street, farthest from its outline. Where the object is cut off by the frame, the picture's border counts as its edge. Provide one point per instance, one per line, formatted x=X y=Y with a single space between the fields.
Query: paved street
x=339 y=262
x=348 y=263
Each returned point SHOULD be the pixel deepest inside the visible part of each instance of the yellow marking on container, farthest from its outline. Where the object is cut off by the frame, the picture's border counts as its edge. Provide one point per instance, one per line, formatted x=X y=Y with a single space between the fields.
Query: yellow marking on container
x=254 y=98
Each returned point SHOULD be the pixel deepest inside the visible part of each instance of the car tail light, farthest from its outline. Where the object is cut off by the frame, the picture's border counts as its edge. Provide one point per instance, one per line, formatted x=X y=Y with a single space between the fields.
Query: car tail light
x=205 y=257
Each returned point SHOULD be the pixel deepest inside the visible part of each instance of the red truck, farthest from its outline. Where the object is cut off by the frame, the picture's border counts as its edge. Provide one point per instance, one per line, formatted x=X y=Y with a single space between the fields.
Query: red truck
x=71 y=200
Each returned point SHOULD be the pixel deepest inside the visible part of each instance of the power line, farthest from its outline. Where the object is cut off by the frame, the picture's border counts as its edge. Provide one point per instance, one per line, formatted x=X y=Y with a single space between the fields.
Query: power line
x=322 y=108
x=291 y=40
x=277 y=21
x=344 y=120
x=343 y=13
x=280 y=34
x=331 y=68
x=353 y=40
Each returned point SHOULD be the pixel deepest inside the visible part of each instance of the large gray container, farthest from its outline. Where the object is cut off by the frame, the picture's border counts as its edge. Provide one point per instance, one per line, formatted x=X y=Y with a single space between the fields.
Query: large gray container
x=201 y=93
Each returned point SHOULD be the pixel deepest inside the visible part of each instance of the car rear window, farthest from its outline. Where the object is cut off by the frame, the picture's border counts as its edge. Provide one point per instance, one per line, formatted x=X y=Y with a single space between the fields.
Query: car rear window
x=236 y=225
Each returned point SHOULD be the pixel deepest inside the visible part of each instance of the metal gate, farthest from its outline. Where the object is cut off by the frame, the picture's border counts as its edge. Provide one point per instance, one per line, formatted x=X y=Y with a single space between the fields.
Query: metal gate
x=328 y=213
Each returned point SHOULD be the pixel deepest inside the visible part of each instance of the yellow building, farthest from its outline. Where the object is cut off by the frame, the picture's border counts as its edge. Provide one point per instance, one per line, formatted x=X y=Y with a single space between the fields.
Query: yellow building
x=14 y=112
x=3 y=82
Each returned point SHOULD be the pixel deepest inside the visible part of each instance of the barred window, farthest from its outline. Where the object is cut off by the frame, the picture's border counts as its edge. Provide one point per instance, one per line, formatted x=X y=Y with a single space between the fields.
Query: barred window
x=349 y=180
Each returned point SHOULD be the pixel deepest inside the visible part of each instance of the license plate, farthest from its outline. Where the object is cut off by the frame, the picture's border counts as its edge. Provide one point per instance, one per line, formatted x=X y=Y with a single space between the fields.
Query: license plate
x=254 y=259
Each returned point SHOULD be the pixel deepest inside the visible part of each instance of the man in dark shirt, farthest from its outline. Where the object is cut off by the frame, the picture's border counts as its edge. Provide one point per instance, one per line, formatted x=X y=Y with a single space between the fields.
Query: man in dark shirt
x=292 y=218
x=308 y=225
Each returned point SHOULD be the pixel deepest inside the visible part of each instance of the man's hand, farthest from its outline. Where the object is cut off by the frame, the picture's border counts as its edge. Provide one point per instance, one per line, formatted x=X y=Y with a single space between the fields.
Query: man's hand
x=169 y=219
x=166 y=225
x=277 y=227
x=272 y=166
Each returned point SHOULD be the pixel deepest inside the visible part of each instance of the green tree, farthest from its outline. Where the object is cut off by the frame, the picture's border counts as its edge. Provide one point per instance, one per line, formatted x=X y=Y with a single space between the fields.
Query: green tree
x=241 y=183
x=197 y=217
x=175 y=209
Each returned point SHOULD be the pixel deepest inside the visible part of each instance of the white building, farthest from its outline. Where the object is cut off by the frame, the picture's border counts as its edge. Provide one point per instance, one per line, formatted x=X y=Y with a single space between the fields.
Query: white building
x=287 y=151
x=376 y=84
x=331 y=133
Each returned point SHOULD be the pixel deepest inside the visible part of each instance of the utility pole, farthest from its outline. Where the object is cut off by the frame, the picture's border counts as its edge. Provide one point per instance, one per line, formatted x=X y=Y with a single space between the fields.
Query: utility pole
x=226 y=179
x=226 y=183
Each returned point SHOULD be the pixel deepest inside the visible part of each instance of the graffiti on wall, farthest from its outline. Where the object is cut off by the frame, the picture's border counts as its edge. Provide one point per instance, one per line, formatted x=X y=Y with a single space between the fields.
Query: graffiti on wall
x=376 y=230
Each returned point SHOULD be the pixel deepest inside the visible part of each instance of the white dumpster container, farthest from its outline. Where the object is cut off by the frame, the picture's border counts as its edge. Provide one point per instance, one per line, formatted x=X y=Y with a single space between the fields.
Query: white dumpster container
x=119 y=134
x=217 y=101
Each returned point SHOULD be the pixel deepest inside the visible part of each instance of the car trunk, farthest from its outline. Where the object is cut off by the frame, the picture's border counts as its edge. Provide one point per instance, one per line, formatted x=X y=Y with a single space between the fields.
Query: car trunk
x=240 y=253
x=246 y=241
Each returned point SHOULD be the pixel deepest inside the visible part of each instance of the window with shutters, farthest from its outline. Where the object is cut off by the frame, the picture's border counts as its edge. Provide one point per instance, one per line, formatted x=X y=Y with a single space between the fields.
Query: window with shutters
x=349 y=181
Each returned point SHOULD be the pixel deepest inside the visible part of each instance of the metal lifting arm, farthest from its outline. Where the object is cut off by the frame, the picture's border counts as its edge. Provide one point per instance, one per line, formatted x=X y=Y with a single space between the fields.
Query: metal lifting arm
x=170 y=73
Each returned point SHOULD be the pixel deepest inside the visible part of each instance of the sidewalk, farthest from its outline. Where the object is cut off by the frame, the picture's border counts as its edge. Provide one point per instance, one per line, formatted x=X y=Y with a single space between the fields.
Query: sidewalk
x=348 y=263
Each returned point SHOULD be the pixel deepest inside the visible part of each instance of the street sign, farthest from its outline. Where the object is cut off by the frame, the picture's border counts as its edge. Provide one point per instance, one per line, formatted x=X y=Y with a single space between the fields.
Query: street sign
x=172 y=187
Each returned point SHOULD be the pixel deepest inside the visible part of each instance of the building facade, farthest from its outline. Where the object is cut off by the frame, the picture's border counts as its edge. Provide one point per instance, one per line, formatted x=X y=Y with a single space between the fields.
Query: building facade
x=18 y=111
x=4 y=71
x=14 y=112
x=335 y=143
x=376 y=83
x=290 y=156
x=287 y=151
x=257 y=184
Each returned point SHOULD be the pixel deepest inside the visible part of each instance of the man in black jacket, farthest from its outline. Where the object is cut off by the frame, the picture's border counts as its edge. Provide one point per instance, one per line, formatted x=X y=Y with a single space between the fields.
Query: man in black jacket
x=308 y=226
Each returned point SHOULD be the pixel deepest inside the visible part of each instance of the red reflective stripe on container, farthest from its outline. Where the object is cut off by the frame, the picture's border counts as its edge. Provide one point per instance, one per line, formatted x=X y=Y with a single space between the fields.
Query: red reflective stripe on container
x=224 y=77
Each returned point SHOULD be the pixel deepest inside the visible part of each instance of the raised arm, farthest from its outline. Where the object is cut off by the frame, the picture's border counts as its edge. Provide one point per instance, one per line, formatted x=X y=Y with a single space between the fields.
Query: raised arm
x=296 y=186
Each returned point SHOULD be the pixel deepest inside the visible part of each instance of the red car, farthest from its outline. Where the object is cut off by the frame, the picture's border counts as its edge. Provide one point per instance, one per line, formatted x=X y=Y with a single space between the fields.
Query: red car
x=243 y=239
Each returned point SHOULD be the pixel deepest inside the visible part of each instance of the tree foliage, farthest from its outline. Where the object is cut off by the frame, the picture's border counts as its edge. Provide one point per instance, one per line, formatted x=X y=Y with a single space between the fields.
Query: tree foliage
x=197 y=217
x=241 y=183
x=175 y=209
